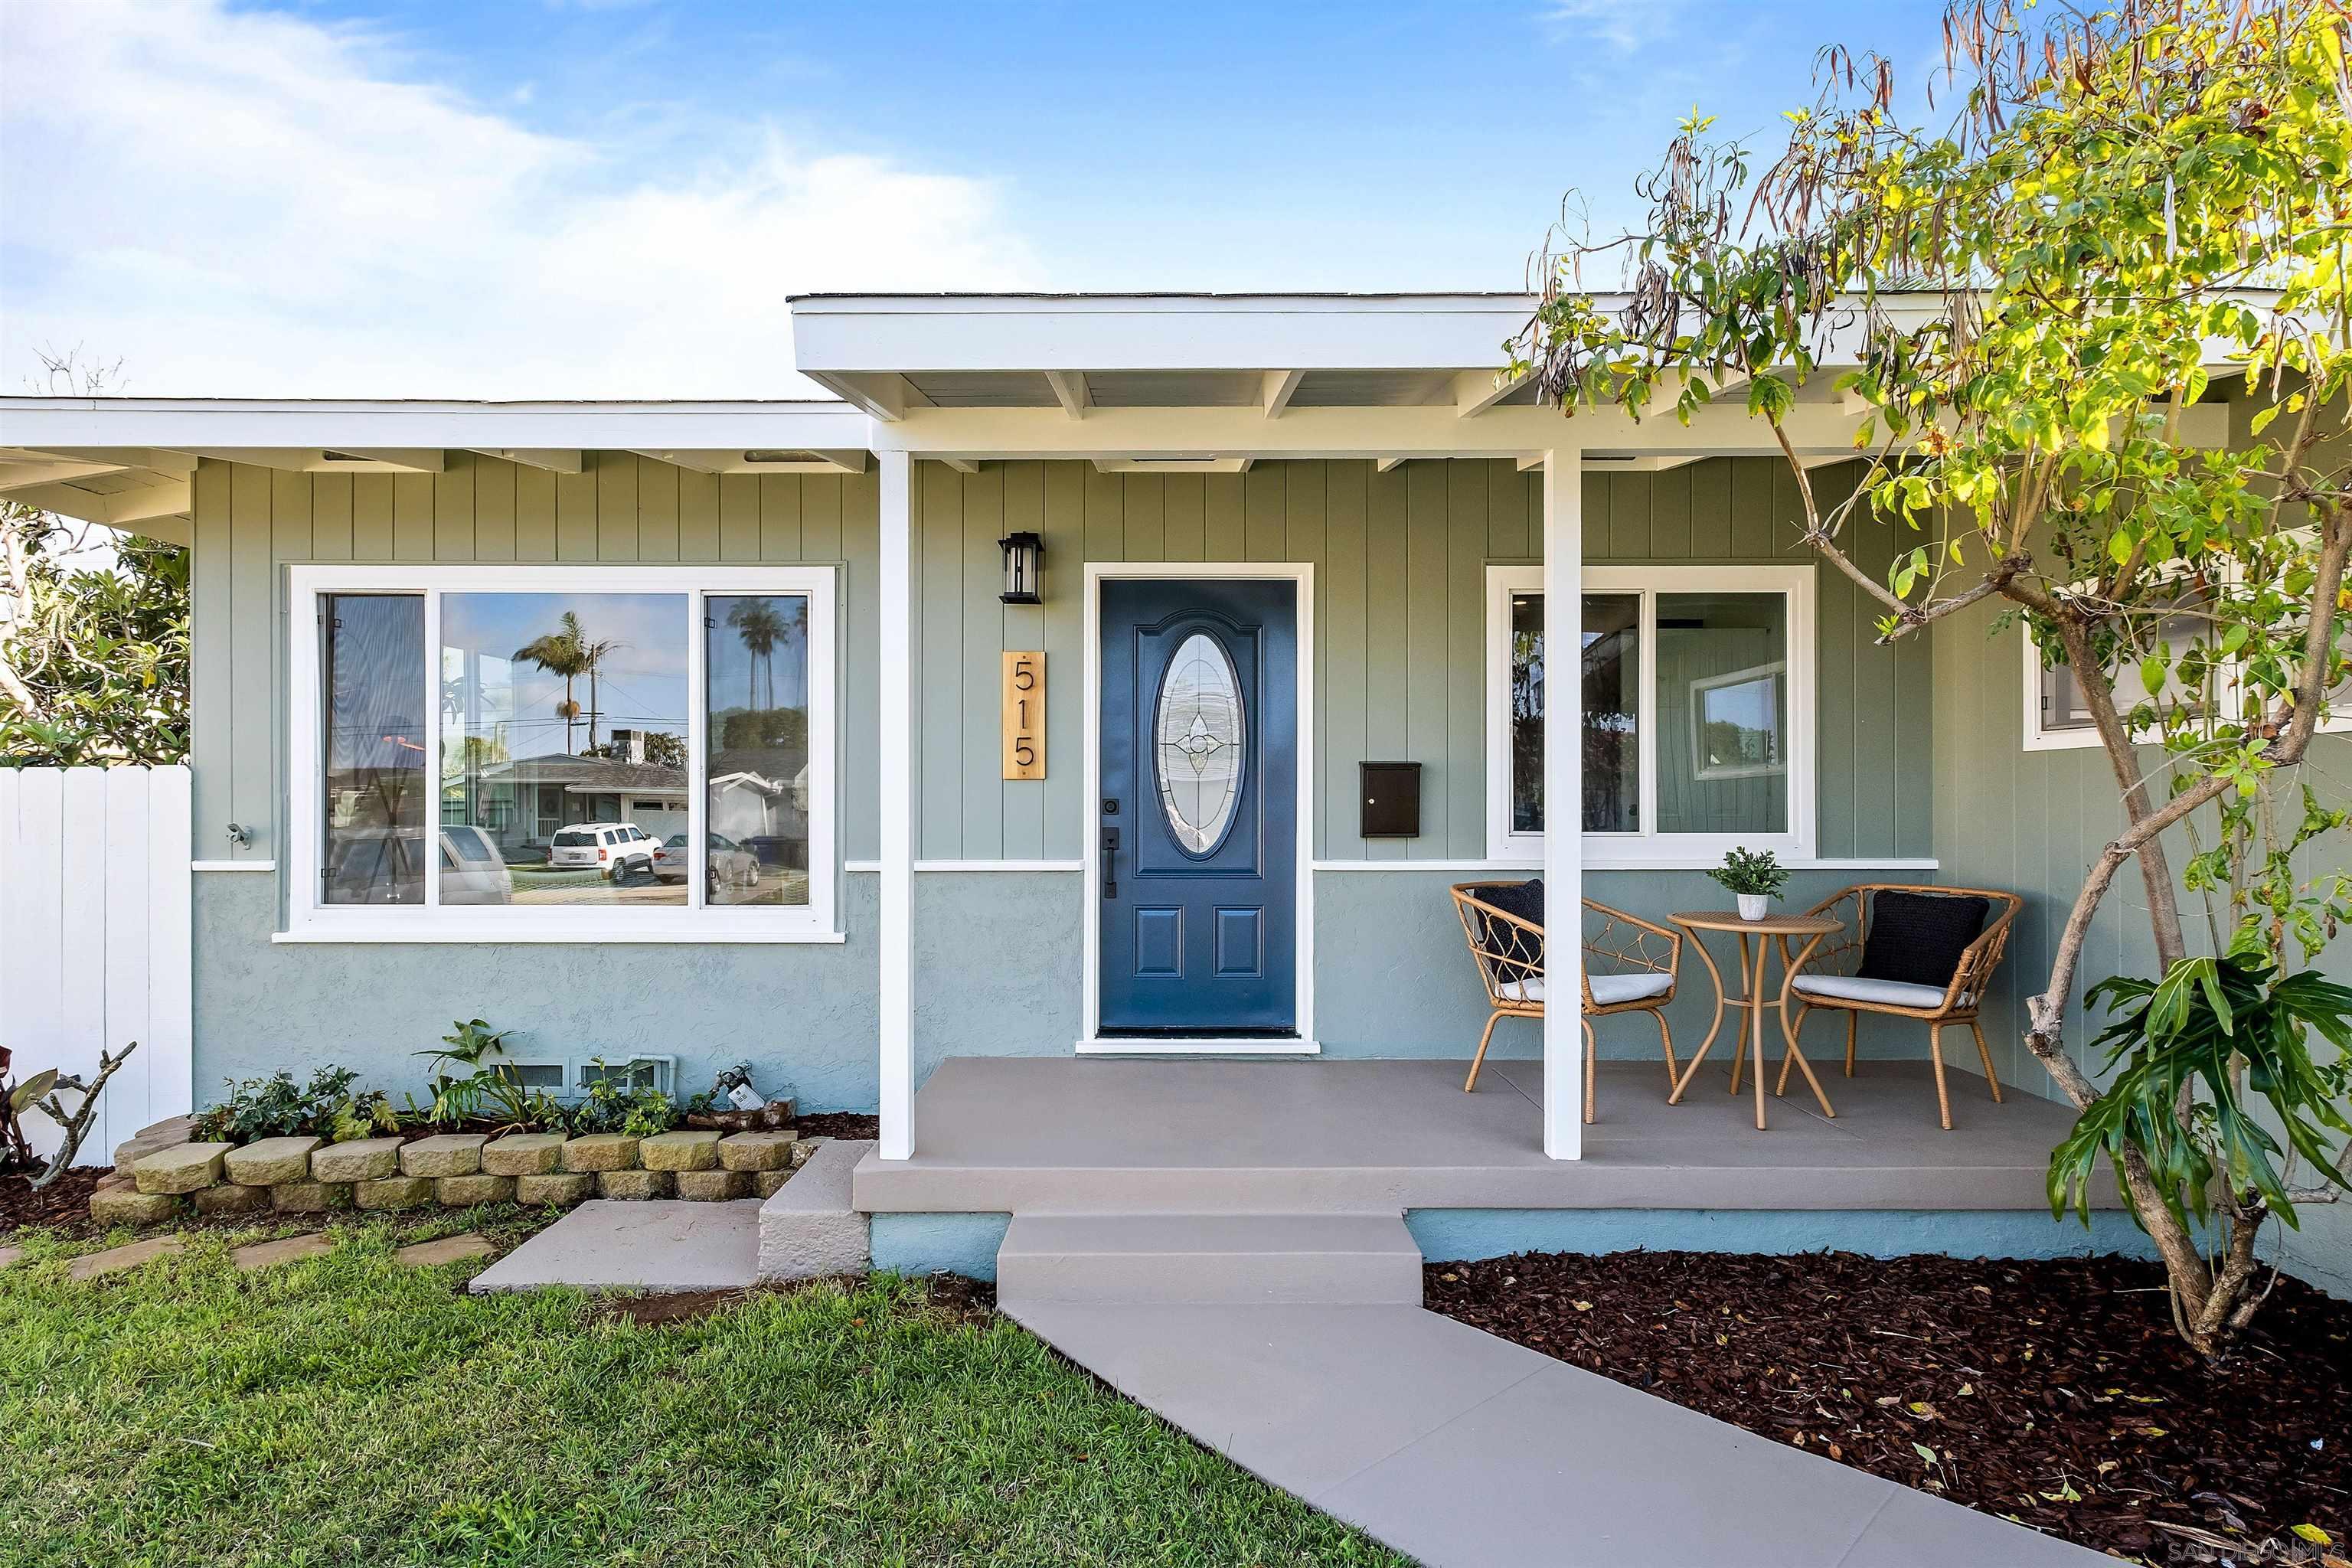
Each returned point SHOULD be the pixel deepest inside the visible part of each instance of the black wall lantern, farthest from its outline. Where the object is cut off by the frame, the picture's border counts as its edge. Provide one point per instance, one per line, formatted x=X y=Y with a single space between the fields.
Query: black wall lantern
x=1025 y=560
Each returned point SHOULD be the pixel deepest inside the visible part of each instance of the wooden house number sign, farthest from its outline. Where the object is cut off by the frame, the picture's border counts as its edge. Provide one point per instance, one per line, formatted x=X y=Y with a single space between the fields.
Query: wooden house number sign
x=1025 y=715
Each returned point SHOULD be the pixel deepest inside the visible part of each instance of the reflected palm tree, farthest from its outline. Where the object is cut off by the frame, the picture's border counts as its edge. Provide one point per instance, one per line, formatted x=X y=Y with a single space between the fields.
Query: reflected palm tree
x=760 y=629
x=570 y=652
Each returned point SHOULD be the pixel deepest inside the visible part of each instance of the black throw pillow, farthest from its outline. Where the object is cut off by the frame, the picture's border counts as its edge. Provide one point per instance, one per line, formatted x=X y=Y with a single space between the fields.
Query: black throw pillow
x=1524 y=899
x=1918 y=938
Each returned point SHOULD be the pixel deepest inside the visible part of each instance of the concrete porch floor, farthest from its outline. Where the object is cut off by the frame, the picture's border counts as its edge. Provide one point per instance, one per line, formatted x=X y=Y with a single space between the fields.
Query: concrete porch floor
x=1083 y=1134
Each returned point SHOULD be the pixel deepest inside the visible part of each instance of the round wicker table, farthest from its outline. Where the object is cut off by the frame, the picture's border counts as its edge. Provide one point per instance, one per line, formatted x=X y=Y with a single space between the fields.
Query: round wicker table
x=1753 y=1002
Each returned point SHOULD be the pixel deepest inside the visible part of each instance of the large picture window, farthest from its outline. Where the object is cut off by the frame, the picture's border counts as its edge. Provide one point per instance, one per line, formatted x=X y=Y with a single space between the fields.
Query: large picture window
x=1696 y=684
x=562 y=753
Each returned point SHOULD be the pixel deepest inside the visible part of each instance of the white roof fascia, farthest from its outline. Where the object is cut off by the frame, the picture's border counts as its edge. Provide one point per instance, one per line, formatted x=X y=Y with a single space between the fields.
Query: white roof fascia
x=844 y=336
x=1116 y=332
x=212 y=425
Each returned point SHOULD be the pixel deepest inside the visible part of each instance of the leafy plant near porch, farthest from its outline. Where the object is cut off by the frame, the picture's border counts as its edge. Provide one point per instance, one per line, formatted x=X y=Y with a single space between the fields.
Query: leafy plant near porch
x=278 y=1107
x=2215 y=1035
x=1751 y=873
x=2033 y=293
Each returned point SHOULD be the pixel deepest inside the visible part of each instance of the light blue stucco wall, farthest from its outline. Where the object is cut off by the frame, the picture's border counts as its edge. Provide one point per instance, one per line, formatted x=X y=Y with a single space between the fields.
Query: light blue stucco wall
x=803 y=1015
x=1466 y=1234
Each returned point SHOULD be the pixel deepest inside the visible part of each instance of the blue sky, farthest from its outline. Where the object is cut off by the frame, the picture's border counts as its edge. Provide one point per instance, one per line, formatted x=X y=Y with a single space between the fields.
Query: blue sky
x=612 y=198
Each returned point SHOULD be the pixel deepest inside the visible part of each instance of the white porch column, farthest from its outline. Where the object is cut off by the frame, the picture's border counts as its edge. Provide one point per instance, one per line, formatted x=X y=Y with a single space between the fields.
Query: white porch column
x=897 y=781
x=1563 y=801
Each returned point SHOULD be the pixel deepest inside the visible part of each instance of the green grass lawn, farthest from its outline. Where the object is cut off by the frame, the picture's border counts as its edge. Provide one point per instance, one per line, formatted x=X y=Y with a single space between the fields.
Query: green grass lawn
x=348 y=1410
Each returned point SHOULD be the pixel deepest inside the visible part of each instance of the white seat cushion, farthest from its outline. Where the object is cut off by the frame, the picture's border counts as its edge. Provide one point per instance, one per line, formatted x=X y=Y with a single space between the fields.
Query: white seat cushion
x=1607 y=990
x=1854 y=988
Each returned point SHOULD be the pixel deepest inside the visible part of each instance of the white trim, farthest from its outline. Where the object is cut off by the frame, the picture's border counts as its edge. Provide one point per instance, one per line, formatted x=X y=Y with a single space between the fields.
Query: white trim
x=600 y=935
x=1301 y=575
x=309 y=920
x=1650 y=863
x=232 y=865
x=1196 y=1045
x=1563 y=584
x=1649 y=849
x=2034 y=737
x=896 y=787
x=541 y=428
x=973 y=866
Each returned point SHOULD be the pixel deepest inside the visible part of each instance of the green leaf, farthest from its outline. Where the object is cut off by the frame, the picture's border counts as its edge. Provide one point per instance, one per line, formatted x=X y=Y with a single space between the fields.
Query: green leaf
x=29 y=1091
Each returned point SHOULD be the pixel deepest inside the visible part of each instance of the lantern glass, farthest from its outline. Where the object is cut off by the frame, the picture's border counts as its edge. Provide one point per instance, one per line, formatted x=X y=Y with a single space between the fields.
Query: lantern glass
x=1024 y=555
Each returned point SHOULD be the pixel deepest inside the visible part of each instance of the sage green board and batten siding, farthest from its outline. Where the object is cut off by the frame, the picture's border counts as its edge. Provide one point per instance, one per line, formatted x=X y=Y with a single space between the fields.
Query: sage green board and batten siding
x=251 y=522
x=1399 y=562
x=1400 y=565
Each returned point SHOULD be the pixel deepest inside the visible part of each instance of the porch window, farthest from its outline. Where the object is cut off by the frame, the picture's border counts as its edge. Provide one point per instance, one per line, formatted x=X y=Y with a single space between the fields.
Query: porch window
x=601 y=753
x=1697 y=700
x=2056 y=716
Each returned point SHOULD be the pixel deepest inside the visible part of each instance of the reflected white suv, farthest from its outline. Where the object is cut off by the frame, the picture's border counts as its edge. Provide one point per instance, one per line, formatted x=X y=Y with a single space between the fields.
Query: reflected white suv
x=622 y=851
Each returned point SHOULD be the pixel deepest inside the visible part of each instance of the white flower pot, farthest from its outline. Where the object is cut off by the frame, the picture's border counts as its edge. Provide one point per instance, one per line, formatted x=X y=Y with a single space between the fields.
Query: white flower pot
x=1754 y=906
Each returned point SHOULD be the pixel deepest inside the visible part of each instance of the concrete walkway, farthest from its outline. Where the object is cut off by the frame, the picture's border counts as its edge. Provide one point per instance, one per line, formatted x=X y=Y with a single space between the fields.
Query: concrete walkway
x=1456 y=1447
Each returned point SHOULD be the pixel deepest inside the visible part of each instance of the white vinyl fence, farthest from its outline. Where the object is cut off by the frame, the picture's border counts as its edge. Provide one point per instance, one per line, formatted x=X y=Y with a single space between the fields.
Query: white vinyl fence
x=94 y=950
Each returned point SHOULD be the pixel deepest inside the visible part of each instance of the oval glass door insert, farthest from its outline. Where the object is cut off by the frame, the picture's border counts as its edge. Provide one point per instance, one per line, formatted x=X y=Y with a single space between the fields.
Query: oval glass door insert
x=1198 y=732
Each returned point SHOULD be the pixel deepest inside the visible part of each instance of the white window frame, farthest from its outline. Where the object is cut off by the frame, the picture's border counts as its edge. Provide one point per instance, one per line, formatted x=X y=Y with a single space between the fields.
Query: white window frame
x=2038 y=737
x=1649 y=846
x=308 y=920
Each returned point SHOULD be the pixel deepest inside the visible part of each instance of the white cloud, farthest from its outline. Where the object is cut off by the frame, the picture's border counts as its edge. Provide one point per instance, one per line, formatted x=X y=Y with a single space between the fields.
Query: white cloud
x=244 y=203
x=1626 y=26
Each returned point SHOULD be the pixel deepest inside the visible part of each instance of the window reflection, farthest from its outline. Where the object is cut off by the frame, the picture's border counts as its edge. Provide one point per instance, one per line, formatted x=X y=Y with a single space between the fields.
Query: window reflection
x=564 y=748
x=1610 y=675
x=376 y=749
x=756 y=767
x=1723 y=690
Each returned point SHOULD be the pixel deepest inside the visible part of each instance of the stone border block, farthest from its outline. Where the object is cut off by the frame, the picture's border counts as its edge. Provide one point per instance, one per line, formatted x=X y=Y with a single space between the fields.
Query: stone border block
x=444 y=1154
x=265 y=1161
x=713 y=1186
x=633 y=1185
x=681 y=1151
x=392 y=1193
x=562 y=1188
x=601 y=1151
x=184 y=1169
x=127 y=1204
x=756 y=1151
x=362 y=1160
x=310 y=1197
x=476 y=1187
x=523 y=1155
x=231 y=1198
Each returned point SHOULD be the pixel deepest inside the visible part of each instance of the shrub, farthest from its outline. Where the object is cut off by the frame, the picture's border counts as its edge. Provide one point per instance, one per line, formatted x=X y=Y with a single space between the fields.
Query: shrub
x=276 y=1107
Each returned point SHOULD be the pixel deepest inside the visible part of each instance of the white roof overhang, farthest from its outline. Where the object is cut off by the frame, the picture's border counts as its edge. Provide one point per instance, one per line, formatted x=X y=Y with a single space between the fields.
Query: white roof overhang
x=127 y=462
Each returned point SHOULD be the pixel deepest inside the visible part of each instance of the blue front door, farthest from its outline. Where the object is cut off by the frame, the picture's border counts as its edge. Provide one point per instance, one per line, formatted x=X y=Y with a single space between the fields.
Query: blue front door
x=1196 y=831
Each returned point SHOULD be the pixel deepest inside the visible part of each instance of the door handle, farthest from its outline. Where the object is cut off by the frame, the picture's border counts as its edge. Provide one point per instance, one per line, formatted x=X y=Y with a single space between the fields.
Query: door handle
x=1111 y=862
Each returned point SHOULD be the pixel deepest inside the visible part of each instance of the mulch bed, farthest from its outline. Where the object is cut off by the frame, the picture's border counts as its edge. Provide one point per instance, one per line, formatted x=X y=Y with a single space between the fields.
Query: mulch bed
x=838 y=1124
x=64 y=1204
x=2053 y=1393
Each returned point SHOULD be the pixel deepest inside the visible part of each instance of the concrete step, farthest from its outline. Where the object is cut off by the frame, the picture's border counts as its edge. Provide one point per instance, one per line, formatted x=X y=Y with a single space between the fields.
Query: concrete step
x=1134 y=1260
x=808 y=1227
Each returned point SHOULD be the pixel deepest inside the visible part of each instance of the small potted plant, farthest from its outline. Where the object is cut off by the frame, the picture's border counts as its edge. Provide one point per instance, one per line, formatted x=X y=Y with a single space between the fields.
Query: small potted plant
x=1756 y=878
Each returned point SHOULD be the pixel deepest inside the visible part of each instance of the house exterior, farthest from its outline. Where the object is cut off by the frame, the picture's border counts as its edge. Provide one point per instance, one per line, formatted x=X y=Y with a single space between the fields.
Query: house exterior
x=1282 y=538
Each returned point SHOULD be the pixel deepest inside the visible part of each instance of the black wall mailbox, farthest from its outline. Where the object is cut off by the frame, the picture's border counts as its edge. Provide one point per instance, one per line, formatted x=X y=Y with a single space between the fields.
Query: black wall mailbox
x=1389 y=798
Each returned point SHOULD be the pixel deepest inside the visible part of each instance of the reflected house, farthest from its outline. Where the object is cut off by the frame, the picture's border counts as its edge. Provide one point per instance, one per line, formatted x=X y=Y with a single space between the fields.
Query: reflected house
x=755 y=802
x=522 y=803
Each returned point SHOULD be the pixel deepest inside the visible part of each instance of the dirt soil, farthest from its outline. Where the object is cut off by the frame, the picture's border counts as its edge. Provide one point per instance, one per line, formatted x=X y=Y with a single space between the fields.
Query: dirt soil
x=64 y=1203
x=838 y=1124
x=2053 y=1393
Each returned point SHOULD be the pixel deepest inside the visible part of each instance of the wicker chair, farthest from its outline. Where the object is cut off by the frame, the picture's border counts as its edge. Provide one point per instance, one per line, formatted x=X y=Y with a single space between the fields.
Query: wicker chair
x=1829 y=983
x=1509 y=951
